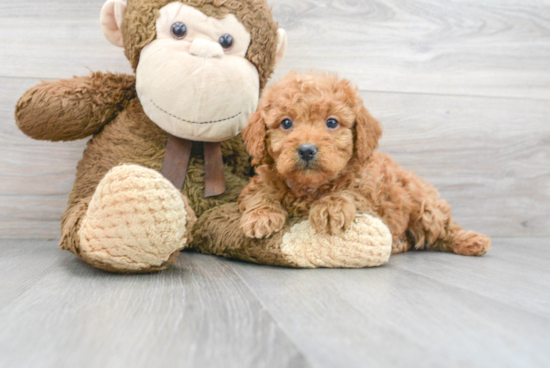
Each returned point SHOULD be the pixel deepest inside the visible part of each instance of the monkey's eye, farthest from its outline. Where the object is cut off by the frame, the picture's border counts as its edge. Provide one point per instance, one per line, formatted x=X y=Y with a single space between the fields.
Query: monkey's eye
x=286 y=124
x=226 y=41
x=179 y=30
x=332 y=123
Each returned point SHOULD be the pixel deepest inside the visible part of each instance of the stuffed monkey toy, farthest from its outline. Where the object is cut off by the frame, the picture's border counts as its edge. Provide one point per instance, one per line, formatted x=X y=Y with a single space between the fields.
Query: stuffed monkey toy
x=166 y=148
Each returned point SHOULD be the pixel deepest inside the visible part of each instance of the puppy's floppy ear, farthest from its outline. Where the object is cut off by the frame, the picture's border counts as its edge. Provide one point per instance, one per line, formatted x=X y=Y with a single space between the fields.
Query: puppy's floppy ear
x=254 y=136
x=368 y=132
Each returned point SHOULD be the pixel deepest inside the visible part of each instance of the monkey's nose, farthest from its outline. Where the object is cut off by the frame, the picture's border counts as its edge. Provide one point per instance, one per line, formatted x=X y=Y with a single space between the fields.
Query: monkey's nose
x=205 y=48
x=307 y=152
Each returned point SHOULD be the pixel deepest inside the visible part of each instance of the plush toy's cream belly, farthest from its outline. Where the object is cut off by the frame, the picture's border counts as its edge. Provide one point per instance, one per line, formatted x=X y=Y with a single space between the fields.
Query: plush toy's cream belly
x=196 y=98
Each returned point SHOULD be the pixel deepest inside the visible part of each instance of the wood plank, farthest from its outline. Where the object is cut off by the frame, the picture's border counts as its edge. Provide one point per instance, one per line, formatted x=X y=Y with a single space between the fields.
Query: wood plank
x=514 y=272
x=396 y=317
x=196 y=314
x=64 y=39
x=497 y=48
x=422 y=309
x=23 y=263
x=536 y=255
x=31 y=217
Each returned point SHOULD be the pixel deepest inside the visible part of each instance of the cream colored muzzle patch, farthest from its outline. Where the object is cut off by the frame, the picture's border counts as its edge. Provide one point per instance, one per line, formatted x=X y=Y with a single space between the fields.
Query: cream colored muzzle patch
x=367 y=244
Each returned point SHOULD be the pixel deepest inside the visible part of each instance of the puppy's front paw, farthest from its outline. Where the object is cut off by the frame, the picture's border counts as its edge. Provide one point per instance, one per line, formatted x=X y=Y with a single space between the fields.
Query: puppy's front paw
x=332 y=214
x=262 y=222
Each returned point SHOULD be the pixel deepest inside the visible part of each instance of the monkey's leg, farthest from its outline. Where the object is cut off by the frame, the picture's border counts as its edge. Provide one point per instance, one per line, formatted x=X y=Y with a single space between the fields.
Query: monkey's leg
x=367 y=243
x=76 y=108
x=435 y=229
x=135 y=222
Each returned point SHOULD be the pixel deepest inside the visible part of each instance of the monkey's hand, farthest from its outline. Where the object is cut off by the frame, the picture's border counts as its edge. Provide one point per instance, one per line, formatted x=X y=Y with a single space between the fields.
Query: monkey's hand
x=71 y=109
x=332 y=214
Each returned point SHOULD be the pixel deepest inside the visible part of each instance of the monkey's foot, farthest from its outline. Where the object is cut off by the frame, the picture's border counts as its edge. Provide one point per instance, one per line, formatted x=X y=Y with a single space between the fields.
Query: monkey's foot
x=368 y=243
x=136 y=222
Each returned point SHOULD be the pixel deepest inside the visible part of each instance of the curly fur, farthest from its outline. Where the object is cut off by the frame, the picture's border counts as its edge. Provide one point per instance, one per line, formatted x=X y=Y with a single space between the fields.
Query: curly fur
x=346 y=177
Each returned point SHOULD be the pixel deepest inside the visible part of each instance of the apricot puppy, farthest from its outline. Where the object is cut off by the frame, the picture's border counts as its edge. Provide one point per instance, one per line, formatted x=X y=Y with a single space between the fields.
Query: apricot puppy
x=313 y=144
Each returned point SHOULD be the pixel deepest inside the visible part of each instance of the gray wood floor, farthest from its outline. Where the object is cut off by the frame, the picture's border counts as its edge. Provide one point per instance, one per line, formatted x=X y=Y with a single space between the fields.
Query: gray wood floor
x=462 y=89
x=420 y=310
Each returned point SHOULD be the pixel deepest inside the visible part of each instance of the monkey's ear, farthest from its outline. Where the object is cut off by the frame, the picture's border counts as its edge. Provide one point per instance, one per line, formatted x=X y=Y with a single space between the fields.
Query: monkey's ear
x=368 y=132
x=254 y=136
x=112 y=14
x=281 y=45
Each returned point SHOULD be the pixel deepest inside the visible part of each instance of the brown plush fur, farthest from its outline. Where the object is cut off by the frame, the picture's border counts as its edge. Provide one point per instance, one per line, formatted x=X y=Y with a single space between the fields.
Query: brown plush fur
x=106 y=106
x=346 y=176
x=75 y=108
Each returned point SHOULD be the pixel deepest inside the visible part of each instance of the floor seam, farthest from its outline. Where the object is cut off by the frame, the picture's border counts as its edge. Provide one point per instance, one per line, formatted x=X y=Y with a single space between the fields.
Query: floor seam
x=534 y=314
x=279 y=325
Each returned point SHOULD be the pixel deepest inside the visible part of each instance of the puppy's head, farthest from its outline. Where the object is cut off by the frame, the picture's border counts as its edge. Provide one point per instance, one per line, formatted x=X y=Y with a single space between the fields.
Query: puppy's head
x=310 y=128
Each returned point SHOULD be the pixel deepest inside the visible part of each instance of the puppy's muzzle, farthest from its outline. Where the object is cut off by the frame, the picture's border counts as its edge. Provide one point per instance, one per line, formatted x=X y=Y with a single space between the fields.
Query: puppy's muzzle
x=307 y=152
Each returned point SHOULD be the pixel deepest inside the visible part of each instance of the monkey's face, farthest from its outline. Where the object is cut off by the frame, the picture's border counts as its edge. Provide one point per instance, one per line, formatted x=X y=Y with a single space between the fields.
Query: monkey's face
x=193 y=80
x=195 y=75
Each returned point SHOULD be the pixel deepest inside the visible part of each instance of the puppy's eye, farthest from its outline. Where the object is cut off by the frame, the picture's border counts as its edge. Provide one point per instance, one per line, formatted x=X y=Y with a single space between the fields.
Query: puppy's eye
x=286 y=124
x=226 y=41
x=178 y=30
x=332 y=123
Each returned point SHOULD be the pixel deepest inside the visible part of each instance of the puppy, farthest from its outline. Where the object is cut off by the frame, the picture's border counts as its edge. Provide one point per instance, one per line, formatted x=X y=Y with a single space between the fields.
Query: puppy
x=313 y=144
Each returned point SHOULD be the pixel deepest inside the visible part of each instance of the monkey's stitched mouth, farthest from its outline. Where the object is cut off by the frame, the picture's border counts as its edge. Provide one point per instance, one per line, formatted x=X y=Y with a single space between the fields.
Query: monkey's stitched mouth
x=193 y=122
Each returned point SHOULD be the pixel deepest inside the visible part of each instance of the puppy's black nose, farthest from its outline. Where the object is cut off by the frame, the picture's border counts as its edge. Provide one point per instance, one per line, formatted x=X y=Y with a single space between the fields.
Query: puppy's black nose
x=307 y=152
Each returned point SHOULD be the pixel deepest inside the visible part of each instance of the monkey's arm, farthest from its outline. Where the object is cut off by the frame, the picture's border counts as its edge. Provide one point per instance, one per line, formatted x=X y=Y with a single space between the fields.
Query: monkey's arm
x=71 y=109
